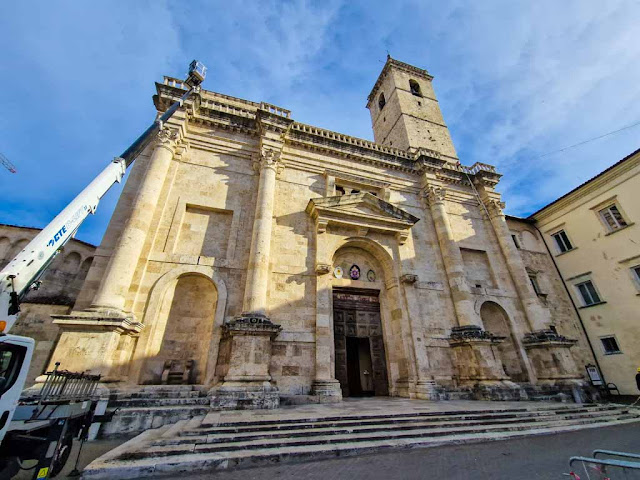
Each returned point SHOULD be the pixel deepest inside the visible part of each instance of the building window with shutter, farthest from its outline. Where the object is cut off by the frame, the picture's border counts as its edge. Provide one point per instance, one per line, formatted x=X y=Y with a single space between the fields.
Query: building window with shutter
x=588 y=293
x=612 y=218
x=562 y=241
x=610 y=345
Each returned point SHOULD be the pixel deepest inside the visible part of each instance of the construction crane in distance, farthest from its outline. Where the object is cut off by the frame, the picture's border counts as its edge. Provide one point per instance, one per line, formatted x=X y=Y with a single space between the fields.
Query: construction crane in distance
x=7 y=164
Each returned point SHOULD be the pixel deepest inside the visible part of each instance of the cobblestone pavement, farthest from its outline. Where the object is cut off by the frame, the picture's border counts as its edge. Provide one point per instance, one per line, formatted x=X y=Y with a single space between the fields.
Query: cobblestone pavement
x=533 y=458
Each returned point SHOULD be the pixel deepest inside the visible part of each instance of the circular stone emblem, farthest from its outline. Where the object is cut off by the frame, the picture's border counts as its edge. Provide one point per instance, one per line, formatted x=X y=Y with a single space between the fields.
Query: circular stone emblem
x=371 y=276
x=338 y=272
x=354 y=272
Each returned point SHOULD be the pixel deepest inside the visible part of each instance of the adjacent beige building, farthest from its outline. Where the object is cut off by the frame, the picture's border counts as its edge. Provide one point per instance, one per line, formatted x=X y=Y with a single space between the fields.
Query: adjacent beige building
x=592 y=234
x=260 y=257
x=60 y=286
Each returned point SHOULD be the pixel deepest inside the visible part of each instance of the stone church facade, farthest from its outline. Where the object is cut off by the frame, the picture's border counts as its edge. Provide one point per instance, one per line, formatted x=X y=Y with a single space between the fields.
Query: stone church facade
x=263 y=257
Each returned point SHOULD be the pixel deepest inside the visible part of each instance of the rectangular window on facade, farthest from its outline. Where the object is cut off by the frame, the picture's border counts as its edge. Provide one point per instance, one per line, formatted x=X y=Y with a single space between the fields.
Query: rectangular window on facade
x=610 y=345
x=534 y=283
x=635 y=271
x=588 y=293
x=612 y=218
x=562 y=241
x=515 y=241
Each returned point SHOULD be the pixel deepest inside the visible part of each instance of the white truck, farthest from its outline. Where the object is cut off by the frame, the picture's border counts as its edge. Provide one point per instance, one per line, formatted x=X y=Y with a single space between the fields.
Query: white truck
x=21 y=275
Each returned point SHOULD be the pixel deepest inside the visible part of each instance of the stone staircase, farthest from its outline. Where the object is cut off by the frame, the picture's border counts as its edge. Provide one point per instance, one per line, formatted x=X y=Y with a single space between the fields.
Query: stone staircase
x=141 y=408
x=219 y=441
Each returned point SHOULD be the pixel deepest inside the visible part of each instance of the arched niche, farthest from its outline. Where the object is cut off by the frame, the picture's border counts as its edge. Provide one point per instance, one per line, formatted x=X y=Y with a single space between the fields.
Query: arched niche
x=183 y=320
x=496 y=320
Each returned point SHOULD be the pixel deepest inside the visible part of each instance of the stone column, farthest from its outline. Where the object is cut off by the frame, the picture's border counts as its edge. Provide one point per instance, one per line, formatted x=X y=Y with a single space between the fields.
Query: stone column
x=112 y=292
x=474 y=350
x=247 y=338
x=255 y=294
x=539 y=317
x=453 y=263
x=548 y=351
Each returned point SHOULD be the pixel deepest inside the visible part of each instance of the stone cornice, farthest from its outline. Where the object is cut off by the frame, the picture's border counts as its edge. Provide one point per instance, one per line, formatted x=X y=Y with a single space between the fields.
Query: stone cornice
x=251 y=118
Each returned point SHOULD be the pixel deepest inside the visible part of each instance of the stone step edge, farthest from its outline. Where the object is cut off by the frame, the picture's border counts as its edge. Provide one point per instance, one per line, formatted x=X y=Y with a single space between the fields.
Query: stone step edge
x=309 y=423
x=175 y=450
x=301 y=418
x=221 y=436
x=121 y=410
x=103 y=468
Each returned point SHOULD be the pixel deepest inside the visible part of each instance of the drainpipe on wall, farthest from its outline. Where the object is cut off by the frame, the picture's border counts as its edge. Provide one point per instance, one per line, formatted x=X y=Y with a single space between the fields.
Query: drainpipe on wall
x=575 y=308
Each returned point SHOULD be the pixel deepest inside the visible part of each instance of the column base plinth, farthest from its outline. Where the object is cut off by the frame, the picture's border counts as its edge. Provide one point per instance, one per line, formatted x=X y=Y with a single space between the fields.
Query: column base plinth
x=244 y=395
x=476 y=356
x=551 y=357
x=328 y=391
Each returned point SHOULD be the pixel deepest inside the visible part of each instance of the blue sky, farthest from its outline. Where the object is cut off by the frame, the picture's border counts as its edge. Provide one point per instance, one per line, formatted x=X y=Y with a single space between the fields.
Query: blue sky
x=515 y=80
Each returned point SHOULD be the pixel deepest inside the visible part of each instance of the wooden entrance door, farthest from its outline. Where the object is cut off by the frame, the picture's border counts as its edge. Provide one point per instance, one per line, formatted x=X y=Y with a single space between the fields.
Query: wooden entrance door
x=360 y=360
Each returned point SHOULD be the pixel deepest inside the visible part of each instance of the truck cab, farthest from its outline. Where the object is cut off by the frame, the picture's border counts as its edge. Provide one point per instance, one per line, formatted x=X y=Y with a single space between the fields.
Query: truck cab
x=15 y=353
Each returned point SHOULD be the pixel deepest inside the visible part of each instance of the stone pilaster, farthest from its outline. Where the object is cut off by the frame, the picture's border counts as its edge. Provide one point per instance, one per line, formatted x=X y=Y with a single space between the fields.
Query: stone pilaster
x=325 y=385
x=452 y=258
x=116 y=281
x=425 y=386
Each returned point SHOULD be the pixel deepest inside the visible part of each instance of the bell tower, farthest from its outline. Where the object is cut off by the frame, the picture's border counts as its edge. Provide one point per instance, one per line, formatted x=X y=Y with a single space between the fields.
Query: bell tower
x=405 y=113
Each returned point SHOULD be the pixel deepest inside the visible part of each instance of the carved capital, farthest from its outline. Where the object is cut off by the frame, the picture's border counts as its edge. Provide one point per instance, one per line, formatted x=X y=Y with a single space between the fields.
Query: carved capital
x=168 y=138
x=494 y=207
x=269 y=158
x=323 y=268
x=434 y=195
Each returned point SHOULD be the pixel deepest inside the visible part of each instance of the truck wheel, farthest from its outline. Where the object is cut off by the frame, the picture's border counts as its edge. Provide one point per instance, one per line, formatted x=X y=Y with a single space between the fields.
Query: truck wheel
x=61 y=455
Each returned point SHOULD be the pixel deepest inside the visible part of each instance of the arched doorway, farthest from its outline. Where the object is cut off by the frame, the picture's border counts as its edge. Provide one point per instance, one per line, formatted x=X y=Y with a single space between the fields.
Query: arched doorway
x=360 y=359
x=185 y=323
x=496 y=321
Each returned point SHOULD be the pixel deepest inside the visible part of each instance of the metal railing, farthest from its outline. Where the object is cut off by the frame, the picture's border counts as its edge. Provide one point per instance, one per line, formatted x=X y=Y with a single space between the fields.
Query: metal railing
x=601 y=465
x=64 y=386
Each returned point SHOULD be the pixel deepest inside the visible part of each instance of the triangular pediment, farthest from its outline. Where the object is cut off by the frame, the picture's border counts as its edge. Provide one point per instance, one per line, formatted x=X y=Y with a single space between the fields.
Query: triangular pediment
x=360 y=210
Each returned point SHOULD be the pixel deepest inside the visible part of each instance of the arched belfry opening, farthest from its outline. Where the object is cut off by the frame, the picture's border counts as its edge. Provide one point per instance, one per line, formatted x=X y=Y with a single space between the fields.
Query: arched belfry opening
x=415 y=88
x=496 y=320
x=360 y=357
x=381 y=101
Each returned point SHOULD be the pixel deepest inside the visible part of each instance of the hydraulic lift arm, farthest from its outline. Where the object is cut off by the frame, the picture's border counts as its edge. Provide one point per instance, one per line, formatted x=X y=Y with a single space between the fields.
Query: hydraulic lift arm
x=18 y=277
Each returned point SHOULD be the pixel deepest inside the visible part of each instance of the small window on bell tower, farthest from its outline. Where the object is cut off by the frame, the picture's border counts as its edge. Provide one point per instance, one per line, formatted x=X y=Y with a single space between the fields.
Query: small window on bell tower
x=415 y=88
x=381 y=101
